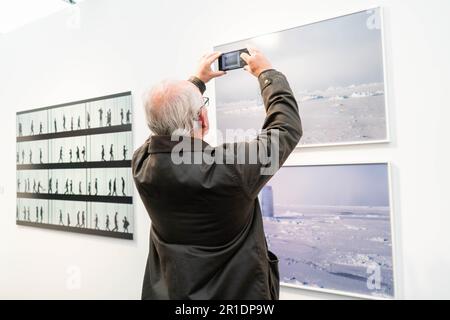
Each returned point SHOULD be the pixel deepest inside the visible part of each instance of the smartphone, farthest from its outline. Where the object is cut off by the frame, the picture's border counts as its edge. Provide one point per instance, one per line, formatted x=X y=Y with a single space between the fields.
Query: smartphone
x=232 y=60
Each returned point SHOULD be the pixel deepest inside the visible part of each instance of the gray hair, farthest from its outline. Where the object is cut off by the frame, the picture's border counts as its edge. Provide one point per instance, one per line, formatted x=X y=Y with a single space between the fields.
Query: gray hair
x=172 y=107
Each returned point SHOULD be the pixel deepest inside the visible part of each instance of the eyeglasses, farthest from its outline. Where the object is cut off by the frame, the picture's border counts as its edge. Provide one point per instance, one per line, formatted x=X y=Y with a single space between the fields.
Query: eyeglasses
x=205 y=102
x=204 y=105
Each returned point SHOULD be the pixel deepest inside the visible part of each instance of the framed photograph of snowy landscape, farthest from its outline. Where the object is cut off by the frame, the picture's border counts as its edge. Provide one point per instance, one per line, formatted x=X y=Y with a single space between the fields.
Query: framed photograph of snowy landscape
x=331 y=228
x=336 y=71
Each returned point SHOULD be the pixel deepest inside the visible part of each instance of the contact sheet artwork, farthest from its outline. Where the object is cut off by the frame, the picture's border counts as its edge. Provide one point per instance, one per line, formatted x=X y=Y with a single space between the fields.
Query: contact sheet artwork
x=74 y=167
x=336 y=71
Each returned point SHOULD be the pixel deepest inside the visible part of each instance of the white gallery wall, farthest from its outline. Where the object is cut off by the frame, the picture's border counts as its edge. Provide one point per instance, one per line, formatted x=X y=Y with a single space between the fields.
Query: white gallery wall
x=129 y=45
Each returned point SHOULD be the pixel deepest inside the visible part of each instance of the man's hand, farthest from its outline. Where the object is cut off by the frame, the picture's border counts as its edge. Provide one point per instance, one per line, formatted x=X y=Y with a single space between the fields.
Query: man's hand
x=256 y=61
x=204 y=70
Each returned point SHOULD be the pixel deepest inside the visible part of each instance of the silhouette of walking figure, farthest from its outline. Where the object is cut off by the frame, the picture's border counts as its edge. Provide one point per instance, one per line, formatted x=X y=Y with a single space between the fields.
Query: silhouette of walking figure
x=55 y=125
x=77 y=153
x=50 y=185
x=32 y=128
x=28 y=213
x=108 y=118
x=61 y=155
x=70 y=155
x=78 y=219
x=123 y=186
x=71 y=123
x=116 y=226
x=79 y=123
x=83 y=152
x=128 y=116
x=34 y=186
x=111 y=153
x=67 y=187
x=89 y=188
x=68 y=220
x=71 y=187
x=61 y=218
x=56 y=187
x=24 y=213
x=31 y=157
x=20 y=129
x=40 y=128
x=79 y=188
x=114 y=193
x=96 y=186
x=107 y=223
x=125 y=150
x=39 y=187
x=23 y=156
x=125 y=224
x=103 y=153
x=88 y=120
x=37 y=214
x=41 y=213
x=83 y=219
x=96 y=222
x=64 y=122
x=40 y=155
x=100 y=114
x=121 y=116
x=109 y=187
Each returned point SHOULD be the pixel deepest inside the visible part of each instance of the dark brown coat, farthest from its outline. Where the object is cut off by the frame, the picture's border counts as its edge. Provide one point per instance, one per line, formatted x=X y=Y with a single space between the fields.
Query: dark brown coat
x=207 y=239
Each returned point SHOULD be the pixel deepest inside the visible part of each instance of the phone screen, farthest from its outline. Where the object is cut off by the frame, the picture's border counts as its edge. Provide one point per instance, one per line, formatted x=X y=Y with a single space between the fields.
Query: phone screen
x=231 y=60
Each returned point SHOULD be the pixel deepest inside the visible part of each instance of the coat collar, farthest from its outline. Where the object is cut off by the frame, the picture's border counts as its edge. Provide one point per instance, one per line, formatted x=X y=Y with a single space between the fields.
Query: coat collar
x=165 y=144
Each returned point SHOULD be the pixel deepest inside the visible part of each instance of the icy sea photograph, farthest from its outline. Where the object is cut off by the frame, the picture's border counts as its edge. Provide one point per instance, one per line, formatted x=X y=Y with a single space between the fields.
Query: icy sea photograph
x=336 y=72
x=330 y=227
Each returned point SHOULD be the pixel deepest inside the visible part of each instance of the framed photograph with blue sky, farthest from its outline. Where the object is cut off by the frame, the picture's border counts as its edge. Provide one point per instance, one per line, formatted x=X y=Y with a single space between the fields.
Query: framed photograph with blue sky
x=336 y=71
x=331 y=227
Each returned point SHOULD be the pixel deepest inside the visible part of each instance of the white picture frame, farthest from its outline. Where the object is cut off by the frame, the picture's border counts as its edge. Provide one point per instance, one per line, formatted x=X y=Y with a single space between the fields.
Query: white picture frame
x=386 y=121
x=391 y=230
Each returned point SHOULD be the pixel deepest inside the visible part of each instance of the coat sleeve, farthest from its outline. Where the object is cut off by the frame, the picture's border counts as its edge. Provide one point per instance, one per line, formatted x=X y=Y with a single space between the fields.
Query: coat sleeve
x=280 y=135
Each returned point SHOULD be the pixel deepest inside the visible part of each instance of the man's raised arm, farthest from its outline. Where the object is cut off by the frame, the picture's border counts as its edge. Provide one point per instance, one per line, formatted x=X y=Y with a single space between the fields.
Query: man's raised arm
x=282 y=127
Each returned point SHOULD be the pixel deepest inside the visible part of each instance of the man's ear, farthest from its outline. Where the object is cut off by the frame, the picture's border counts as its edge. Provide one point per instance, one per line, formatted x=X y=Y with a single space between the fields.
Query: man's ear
x=204 y=120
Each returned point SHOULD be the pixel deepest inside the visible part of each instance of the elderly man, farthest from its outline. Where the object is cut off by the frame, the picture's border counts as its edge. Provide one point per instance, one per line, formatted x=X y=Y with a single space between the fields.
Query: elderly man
x=207 y=239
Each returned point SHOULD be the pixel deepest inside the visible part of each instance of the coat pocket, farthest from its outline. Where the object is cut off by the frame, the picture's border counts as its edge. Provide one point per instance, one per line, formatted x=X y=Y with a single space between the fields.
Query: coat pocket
x=274 y=276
